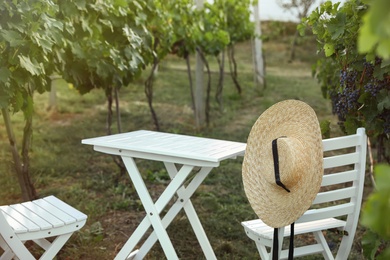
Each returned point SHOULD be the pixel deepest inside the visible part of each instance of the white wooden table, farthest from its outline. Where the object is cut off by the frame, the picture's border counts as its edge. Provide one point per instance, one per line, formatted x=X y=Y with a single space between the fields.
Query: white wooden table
x=180 y=154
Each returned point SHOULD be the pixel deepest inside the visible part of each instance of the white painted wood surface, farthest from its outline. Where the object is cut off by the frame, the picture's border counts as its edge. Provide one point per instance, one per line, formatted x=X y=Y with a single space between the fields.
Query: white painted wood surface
x=160 y=146
x=182 y=156
x=37 y=220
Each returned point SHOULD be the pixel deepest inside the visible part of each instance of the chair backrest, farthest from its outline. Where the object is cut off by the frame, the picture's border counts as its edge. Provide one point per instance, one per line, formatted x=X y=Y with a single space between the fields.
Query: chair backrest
x=342 y=185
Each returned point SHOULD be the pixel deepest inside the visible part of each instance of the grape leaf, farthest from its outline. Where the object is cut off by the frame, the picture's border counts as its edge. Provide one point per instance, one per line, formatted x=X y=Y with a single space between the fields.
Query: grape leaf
x=329 y=49
x=18 y=101
x=377 y=208
x=337 y=25
x=384 y=103
x=374 y=33
x=12 y=37
x=26 y=63
x=370 y=244
x=4 y=75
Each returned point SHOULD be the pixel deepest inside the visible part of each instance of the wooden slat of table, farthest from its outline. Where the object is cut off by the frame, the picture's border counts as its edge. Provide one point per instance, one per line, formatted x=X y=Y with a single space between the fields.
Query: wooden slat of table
x=181 y=146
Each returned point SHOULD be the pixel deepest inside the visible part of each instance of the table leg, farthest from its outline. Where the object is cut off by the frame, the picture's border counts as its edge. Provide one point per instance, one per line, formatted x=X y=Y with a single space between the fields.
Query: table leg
x=152 y=210
x=184 y=201
x=185 y=194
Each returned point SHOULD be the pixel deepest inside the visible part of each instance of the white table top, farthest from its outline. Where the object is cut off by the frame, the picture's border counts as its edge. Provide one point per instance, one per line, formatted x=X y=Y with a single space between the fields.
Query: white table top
x=168 y=147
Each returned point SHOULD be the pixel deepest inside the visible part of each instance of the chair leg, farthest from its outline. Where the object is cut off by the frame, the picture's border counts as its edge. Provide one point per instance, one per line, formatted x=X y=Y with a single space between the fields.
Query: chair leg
x=51 y=248
x=22 y=252
x=264 y=254
x=321 y=239
x=345 y=246
x=7 y=254
x=280 y=239
x=44 y=243
x=55 y=246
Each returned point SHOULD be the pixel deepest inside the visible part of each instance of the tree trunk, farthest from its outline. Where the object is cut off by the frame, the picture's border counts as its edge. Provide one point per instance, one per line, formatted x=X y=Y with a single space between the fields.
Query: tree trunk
x=21 y=164
x=293 y=44
x=53 y=91
x=199 y=81
x=233 y=68
x=208 y=91
x=118 y=111
x=117 y=159
x=109 y=110
x=52 y=97
x=218 y=94
x=258 y=57
x=187 y=58
x=149 y=94
x=381 y=149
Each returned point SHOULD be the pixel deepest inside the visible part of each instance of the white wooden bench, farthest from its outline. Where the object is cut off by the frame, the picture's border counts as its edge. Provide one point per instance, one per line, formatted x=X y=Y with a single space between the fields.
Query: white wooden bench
x=36 y=221
x=341 y=195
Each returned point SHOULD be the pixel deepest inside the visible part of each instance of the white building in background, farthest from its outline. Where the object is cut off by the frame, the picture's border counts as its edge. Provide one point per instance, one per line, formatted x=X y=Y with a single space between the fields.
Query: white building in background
x=270 y=10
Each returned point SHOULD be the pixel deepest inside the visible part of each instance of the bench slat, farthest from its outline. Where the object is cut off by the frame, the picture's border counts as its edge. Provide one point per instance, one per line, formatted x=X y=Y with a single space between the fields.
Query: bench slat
x=18 y=217
x=261 y=229
x=78 y=215
x=32 y=216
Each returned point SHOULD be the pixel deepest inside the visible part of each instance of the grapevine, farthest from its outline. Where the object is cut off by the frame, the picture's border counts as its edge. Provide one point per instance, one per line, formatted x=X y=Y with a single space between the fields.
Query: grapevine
x=358 y=84
x=386 y=121
x=373 y=87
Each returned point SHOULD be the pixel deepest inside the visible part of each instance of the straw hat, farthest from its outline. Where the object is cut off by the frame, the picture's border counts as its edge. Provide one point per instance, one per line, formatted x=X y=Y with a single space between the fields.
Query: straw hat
x=291 y=129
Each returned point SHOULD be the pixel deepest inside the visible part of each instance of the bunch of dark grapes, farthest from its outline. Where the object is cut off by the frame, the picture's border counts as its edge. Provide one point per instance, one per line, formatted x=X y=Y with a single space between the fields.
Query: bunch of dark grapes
x=351 y=79
x=343 y=77
x=345 y=101
x=373 y=87
x=340 y=107
x=348 y=78
x=378 y=61
x=368 y=69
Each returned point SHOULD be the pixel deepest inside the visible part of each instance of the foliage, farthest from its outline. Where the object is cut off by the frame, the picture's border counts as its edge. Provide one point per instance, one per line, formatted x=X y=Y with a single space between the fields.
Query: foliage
x=213 y=41
x=357 y=84
x=159 y=24
x=163 y=38
x=374 y=34
x=376 y=212
x=239 y=25
x=106 y=42
x=215 y=37
x=28 y=34
x=185 y=12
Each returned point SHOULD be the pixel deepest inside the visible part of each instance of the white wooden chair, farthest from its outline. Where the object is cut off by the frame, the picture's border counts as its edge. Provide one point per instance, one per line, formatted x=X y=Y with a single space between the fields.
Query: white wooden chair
x=340 y=196
x=37 y=220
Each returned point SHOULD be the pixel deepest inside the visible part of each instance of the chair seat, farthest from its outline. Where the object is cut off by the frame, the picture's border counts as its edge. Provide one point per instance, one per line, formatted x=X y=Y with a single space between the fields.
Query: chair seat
x=258 y=228
x=42 y=218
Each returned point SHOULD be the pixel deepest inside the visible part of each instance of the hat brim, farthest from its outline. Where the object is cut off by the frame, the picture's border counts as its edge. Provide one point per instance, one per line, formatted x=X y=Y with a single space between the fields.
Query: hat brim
x=273 y=205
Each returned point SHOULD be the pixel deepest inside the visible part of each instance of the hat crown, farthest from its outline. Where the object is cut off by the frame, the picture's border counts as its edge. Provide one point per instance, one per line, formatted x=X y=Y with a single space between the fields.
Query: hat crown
x=300 y=162
x=290 y=157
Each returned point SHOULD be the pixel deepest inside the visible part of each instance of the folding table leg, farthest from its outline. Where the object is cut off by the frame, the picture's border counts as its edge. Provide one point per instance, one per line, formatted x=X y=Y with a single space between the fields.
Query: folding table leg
x=191 y=213
x=184 y=201
x=152 y=211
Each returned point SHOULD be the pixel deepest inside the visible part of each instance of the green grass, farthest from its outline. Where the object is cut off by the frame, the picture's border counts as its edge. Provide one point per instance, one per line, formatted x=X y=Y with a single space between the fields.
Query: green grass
x=90 y=181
